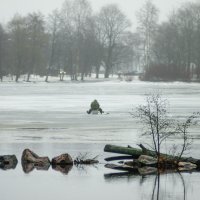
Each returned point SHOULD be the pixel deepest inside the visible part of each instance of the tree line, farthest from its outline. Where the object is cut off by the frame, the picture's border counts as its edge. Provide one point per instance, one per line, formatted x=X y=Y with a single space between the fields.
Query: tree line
x=171 y=49
x=77 y=41
x=72 y=40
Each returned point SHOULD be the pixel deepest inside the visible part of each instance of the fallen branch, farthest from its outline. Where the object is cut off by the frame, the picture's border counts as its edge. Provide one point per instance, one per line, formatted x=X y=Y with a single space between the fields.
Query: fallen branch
x=136 y=153
x=118 y=158
x=82 y=159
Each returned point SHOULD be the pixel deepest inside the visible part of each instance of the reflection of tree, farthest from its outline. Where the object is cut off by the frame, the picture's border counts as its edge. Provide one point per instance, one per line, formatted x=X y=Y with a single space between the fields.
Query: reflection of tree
x=156 y=187
x=158 y=181
x=184 y=188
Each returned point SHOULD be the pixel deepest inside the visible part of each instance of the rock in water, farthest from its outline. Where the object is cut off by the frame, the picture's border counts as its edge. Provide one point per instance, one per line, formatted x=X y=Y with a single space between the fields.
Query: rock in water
x=30 y=157
x=8 y=162
x=147 y=160
x=29 y=167
x=64 y=159
x=64 y=169
x=147 y=170
x=184 y=166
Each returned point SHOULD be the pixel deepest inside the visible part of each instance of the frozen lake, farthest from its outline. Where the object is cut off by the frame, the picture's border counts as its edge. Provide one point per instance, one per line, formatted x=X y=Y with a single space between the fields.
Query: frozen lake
x=50 y=119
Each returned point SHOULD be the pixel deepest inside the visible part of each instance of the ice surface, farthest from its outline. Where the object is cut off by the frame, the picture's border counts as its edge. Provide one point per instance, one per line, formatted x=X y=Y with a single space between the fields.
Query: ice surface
x=56 y=112
x=50 y=119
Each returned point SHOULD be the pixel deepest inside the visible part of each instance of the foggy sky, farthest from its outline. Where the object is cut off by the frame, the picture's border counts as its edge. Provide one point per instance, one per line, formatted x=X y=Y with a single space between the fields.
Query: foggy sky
x=9 y=7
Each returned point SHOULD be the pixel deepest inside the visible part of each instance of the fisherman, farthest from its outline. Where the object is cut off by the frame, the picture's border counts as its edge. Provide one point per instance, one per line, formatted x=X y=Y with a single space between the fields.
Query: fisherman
x=95 y=107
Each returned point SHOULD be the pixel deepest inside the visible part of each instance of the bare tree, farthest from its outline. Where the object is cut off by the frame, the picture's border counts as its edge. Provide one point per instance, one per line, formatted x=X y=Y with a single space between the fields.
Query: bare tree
x=156 y=123
x=147 y=19
x=81 y=19
x=66 y=39
x=18 y=45
x=175 y=50
x=99 y=44
x=196 y=13
x=183 y=130
x=53 y=31
x=113 y=23
x=159 y=126
x=123 y=53
x=75 y=30
x=2 y=51
x=37 y=41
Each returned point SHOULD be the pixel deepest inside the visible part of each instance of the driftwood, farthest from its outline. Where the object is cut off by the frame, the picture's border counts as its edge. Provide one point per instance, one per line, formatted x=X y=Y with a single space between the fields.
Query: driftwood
x=119 y=158
x=136 y=153
x=134 y=170
x=30 y=157
x=8 y=162
x=142 y=171
x=83 y=159
x=64 y=159
x=125 y=168
x=119 y=175
x=86 y=162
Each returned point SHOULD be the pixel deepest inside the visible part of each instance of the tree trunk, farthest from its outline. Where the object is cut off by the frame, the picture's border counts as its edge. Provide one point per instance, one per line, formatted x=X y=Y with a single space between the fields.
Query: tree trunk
x=17 y=78
x=1 y=75
x=97 y=71
x=136 y=153
x=119 y=158
x=47 y=75
x=107 y=71
x=28 y=77
x=46 y=79
x=82 y=76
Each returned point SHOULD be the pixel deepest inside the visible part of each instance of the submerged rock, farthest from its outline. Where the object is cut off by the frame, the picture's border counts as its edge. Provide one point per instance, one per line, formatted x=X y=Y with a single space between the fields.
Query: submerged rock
x=64 y=159
x=64 y=169
x=147 y=160
x=182 y=166
x=29 y=167
x=147 y=171
x=8 y=162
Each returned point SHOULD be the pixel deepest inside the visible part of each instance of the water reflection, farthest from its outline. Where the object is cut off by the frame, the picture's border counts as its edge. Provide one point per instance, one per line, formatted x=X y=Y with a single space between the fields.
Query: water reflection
x=29 y=167
x=157 y=195
x=64 y=169
x=164 y=185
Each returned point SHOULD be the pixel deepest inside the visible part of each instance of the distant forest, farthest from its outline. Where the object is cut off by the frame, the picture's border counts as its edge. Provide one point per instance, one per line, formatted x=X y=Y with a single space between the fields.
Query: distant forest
x=75 y=41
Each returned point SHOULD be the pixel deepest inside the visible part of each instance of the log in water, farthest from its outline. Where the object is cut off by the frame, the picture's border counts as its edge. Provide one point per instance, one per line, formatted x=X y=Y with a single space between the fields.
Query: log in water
x=136 y=153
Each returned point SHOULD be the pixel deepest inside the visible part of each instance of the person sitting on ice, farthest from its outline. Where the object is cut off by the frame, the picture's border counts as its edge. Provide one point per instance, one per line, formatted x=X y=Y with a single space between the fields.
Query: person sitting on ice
x=95 y=107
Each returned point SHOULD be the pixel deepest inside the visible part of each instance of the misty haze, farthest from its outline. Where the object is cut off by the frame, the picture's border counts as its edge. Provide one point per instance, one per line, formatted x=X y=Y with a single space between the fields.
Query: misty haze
x=100 y=99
